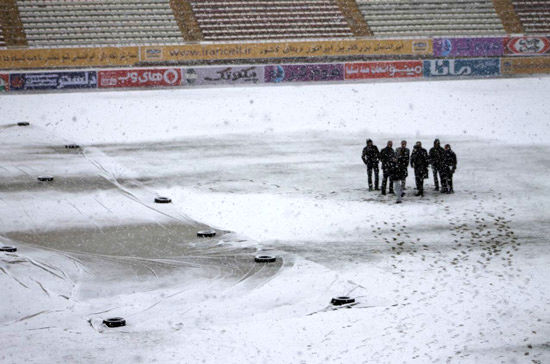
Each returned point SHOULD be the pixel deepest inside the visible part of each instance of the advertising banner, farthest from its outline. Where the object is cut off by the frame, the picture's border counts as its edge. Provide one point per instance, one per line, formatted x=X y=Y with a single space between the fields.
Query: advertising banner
x=157 y=77
x=194 y=52
x=68 y=57
x=526 y=46
x=304 y=73
x=525 y=65
x=4 y=82
x=238 y=75
x=468 y=47
x=390 y=69
x=462 y=67
x=53 y=80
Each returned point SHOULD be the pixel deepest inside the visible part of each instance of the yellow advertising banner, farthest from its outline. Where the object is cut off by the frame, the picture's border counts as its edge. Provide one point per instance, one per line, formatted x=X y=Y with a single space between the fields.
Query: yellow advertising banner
x=369 y=47
x=525 y=65
x=12 y=59
x=68 y=57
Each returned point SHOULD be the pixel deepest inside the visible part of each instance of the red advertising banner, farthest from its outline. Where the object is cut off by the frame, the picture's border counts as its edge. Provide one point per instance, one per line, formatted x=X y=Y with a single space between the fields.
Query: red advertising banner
x=4 y=82
x=526 y=46
x=390 y=69
x=153 y=77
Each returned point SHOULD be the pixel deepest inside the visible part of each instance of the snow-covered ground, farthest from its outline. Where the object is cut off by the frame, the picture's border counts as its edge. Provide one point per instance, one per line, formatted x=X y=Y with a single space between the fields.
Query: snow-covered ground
x=446 y=278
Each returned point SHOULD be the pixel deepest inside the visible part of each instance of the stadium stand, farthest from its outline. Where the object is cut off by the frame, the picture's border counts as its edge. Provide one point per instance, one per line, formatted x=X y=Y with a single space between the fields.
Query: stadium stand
x=534 y=15
x=431 y=17
x=270 y=19
x=59 y=23
x=98 y=22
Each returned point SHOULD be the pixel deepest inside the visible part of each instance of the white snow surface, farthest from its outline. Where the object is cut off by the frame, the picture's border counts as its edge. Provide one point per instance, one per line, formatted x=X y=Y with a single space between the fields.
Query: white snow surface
x=459 y=278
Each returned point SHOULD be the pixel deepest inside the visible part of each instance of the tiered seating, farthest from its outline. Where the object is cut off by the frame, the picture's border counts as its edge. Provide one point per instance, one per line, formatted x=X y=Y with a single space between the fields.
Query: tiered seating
x=431 y=17
x=534 y=15
x=269 y=19
x=98 y=22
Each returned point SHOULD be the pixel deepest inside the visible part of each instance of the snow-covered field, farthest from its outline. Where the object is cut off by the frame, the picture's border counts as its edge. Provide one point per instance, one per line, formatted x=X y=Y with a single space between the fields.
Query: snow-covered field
x=459 y=278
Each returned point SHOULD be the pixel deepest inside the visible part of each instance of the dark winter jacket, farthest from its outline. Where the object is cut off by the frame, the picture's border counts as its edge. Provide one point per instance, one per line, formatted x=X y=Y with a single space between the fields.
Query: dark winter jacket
x=370 y=155
x=420 y=162
x=399 y=171
x=386 y=157
x=449 y=160
x=404 y=159
x=436 y=157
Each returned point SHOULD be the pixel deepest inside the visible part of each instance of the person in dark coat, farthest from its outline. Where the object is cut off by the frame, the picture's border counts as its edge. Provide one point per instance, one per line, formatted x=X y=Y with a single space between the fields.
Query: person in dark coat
x=387 y=156
x=399 y=172
x=371 y=157
x=420 y=162
x=407 y=154
x=436 y=160
x=449 y=168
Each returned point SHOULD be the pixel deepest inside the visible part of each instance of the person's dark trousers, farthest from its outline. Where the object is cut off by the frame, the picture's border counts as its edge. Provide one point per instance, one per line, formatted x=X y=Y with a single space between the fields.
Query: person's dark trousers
x=420 y=185
x=385 y=177
x=450 y=182
x=436 y=181
x=445 y=174
x=370 y=169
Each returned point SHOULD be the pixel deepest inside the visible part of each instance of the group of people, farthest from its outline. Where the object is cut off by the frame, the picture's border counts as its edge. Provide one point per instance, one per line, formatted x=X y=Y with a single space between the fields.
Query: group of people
x=395 y=166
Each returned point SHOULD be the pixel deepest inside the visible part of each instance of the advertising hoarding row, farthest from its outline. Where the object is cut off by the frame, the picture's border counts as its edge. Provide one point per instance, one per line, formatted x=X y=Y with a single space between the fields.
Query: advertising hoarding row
x=286 y=73
x=91 y=57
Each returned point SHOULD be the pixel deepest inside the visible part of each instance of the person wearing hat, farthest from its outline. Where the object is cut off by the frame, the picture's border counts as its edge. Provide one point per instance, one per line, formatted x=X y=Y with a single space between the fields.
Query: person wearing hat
x=399 y=172
x=371 y=157
x=449 y=168
x=387 y=156
x=406 y=155
x=420 y=162
x=436 y=160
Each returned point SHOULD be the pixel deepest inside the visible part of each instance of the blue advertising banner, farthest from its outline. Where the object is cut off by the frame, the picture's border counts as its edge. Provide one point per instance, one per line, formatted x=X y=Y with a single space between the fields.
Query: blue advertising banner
x=304 y=73
x=468 y=47
x=53 y=80
x=462 y=67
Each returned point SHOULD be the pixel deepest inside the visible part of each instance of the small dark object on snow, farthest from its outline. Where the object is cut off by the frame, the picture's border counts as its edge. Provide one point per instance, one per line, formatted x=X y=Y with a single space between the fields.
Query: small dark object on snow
x=114 y=322
x=265 y=259
x=162 y=200
x=45 y=178
x=206 y=233
x=72 y=146
x=343 y=300
x=8 y=249
x=23 y=123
